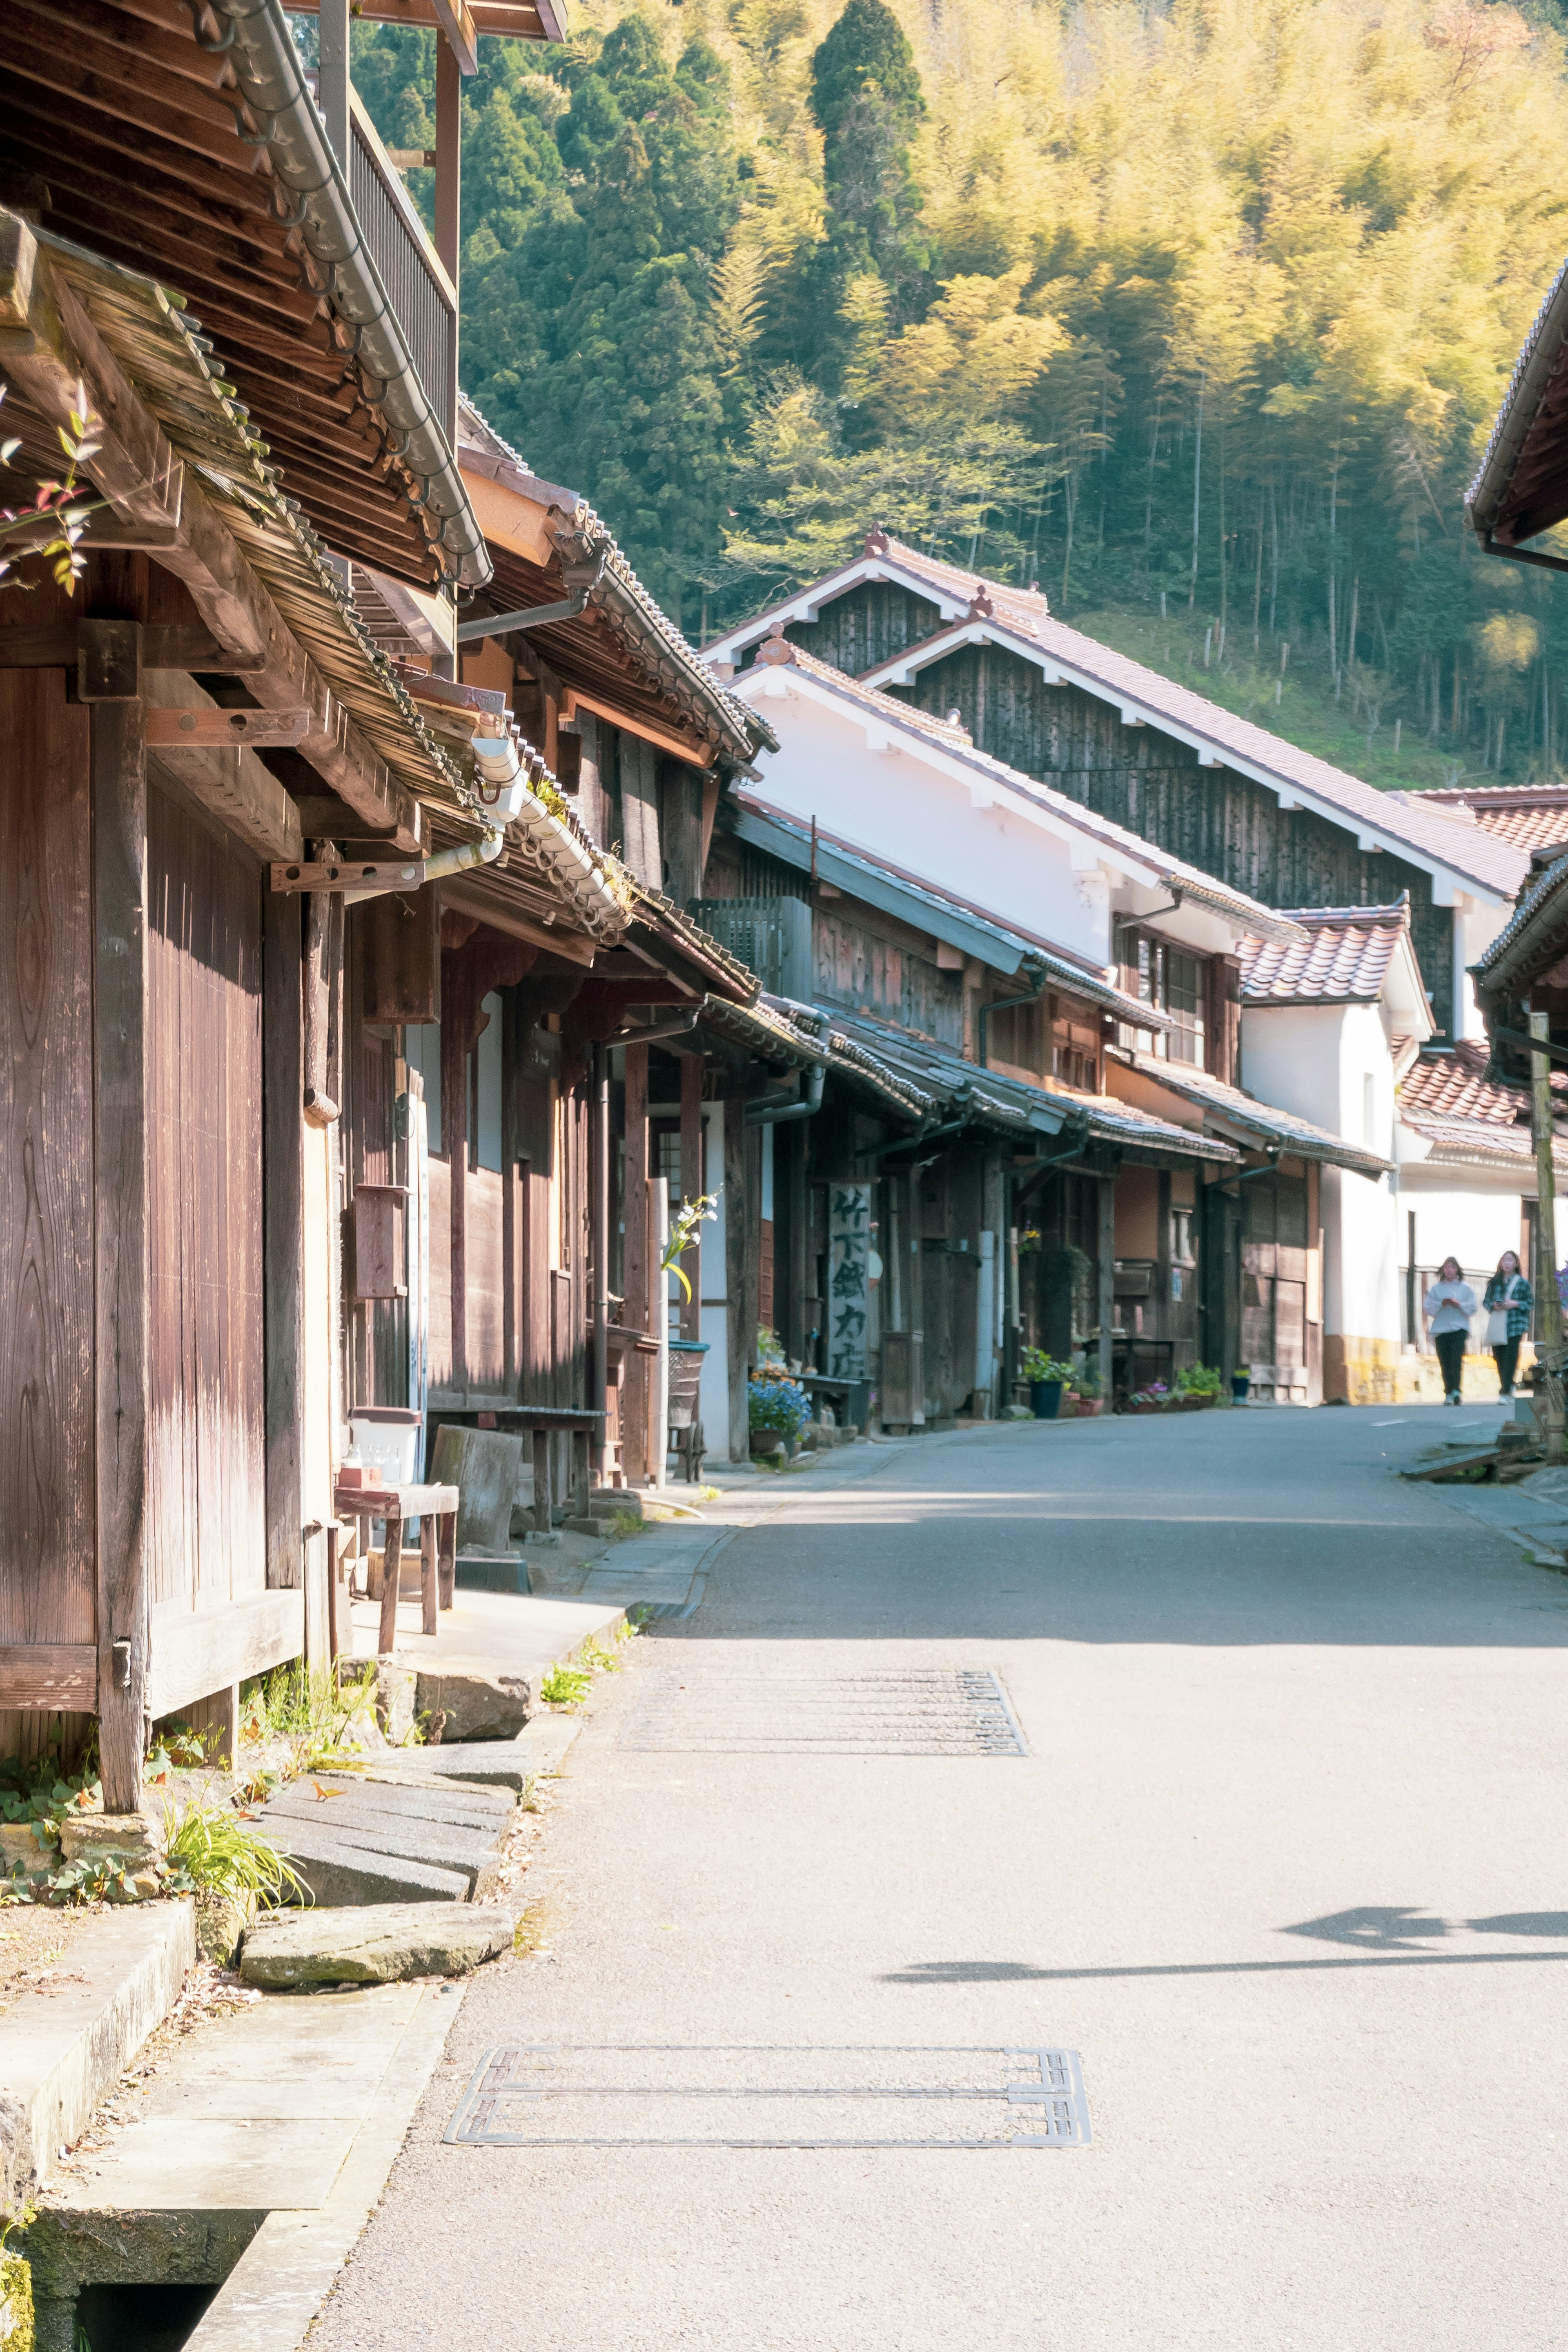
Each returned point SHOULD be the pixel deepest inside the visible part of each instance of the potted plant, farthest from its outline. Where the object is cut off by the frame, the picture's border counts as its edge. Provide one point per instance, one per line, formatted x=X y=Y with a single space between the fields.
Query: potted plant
x=1087 y=1384
x=1155 y=1397
x=1196 y=1387
x=1047 y=1376
x=1239 y=1384
x=777 y=1410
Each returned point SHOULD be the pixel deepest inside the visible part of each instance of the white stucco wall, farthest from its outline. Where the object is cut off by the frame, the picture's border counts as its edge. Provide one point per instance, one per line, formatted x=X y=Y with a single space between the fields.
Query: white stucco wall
x=1016 y=868
x=1475 y=928
x=1320 y=1061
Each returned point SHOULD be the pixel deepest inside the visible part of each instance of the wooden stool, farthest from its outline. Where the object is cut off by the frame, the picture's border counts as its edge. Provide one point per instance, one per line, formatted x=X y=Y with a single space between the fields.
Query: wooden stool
x=435 y=1507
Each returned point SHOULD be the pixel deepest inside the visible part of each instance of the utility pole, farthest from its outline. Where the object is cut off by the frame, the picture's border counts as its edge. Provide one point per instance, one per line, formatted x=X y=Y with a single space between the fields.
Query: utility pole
x=1548 y=1305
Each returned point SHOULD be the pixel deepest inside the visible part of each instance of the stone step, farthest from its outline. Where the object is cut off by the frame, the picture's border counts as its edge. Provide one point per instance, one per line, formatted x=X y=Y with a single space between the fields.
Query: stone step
x=479 y=1763
x=485 y=1810
x=336 y=1871
x=373 y=1943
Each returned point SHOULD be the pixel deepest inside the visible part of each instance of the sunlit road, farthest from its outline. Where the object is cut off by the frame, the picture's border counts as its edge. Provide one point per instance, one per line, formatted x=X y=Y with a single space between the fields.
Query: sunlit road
x=1286 y=1862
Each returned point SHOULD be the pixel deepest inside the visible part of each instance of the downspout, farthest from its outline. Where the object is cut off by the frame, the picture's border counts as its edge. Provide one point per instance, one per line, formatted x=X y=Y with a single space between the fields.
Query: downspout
x=467 y=854
x=582 y=580
x=772 y=1111
x=1005 y=1005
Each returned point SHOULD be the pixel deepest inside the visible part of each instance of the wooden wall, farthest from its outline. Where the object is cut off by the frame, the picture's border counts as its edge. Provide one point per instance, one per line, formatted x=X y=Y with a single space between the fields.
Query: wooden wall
x=206 y=1485
x=46 y=1495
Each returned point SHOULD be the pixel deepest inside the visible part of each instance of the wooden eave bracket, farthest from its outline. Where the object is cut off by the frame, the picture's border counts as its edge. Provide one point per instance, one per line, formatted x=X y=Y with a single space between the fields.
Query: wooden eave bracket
x=191 y=730
x=355 y=881
x=52 y=348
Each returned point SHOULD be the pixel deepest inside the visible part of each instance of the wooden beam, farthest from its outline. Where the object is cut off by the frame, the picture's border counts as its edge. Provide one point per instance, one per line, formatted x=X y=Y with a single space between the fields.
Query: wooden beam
x=50 y=1675
x=282 y=1221
x=244 y=796
x=197 y=1652
x=456 y=20
x=359 y=879
x=53 y=644
x=695 y=749
x=188 y=730
x=51 y=347
x=502 y=19
x=474 y=899
x=119 y=1227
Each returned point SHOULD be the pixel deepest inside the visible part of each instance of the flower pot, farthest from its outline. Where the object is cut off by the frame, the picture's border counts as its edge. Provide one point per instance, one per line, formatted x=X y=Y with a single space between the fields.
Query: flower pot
x=1045 y=1396
x=1239 y=1384
x=1087 y=1407
x=767 y=1440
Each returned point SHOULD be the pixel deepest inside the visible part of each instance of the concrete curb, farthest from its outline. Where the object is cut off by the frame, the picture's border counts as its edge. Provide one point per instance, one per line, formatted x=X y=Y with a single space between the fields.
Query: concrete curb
x=280 y=2281
x=57 y=2059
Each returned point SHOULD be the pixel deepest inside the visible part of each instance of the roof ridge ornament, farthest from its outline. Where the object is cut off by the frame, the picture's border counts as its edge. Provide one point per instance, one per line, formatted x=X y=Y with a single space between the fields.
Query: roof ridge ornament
x=775 y=646
x=876 y=540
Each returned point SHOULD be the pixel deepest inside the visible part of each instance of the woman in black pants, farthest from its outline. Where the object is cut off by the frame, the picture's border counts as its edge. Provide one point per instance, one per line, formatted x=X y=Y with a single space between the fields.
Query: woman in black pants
x=1507 y=1303
x=1449 y=1307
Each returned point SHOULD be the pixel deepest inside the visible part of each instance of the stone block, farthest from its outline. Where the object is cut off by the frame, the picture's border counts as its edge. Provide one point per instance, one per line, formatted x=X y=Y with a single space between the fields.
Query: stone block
x=485 y=1465
x=20 y=1849
x=134 y=1841
x=494 y=1763
x=477 y=1703
x=375 y=1943
x=397 y=1700
x=334 y=1871
x=221 y=1921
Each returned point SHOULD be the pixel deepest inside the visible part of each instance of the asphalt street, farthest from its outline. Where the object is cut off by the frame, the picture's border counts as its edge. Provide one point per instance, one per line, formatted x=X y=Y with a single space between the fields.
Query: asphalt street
x=1285 y=1862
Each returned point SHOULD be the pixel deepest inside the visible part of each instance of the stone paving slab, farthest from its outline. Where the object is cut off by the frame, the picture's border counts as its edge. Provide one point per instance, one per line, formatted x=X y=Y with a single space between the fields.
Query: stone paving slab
x=377 y=1943
x=334 y=1870
x=474 y=1808
x=240 y=2153
x=322 y=1819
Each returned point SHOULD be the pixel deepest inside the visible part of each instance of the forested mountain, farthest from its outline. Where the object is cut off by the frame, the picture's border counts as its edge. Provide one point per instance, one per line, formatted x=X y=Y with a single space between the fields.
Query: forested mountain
x=1198 y=310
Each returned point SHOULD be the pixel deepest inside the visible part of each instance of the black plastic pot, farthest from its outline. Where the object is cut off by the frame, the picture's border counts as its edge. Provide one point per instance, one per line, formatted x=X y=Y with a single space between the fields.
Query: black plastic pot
x=1045 y=1396
x=1239 y=1384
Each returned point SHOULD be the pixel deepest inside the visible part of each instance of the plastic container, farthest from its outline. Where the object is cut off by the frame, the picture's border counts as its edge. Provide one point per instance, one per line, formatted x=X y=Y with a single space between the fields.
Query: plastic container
x=1045 y=1396
x=387 y=1438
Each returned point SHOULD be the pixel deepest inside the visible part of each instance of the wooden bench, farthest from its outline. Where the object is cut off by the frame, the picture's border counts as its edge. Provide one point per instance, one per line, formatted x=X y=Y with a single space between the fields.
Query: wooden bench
x=583 y=1421
x=436 y=1508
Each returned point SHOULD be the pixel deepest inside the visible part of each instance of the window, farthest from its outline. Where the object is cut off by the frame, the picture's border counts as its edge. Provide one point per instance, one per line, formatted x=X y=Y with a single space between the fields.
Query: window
x=486 y=1080
x=422 y=1051
x=1163 y=976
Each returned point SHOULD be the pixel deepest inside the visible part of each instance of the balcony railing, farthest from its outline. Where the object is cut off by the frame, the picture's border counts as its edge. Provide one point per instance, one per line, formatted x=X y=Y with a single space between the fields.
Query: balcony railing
x=417 y=286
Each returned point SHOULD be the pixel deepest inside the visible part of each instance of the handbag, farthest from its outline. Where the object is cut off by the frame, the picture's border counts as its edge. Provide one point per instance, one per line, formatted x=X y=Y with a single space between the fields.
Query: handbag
x=1497 y=1321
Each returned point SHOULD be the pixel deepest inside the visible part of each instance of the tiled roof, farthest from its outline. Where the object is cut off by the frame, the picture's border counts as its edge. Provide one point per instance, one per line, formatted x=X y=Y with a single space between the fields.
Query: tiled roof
x=480 y=442
x=1398 y=817
x=1010 y=1105
x=1448 y=1100
x=1531 y=816
x=1271 y=1127
x=801 y=1034
x=1344 y=959
x=1539 y=910
x=835 y=856
x=1174 y=873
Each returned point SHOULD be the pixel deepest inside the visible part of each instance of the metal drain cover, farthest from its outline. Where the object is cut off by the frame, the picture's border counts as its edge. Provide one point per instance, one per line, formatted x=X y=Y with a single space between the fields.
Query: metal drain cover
x=615 y=2094
x=925 y=1711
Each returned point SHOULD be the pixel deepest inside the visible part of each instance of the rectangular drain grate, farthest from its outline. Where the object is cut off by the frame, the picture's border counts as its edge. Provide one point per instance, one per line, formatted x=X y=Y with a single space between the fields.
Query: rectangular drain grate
x=616 y=2095
x=927 y=1711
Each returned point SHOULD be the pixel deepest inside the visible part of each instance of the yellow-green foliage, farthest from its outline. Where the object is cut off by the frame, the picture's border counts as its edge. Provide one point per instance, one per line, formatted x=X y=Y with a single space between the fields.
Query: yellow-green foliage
x=15 y=2304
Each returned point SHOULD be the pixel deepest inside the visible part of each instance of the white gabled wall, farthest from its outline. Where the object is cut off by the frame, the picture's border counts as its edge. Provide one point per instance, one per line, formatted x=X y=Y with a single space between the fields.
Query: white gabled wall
x=895 y=804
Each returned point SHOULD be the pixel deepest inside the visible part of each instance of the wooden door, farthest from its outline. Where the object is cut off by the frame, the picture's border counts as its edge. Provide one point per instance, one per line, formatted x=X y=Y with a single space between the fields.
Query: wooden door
x=206 y=1488
x=1274 y=1268
x=47 y=1571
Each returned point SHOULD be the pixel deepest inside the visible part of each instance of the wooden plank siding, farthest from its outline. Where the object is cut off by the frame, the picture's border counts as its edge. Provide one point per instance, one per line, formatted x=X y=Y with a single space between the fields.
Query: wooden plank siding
x=206 y=1485
x=1221 y=822
x=47 y=1513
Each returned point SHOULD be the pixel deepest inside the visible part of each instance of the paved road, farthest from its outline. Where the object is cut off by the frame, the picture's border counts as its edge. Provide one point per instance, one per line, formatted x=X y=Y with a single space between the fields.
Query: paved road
x=1287 y=1861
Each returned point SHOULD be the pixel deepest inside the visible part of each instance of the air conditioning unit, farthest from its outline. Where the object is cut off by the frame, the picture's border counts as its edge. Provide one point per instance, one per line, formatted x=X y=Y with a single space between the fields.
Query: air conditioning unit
x=773 y=936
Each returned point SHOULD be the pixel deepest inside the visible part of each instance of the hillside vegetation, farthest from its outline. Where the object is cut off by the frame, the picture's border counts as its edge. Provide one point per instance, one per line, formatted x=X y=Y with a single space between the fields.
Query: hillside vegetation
x=1198 y=314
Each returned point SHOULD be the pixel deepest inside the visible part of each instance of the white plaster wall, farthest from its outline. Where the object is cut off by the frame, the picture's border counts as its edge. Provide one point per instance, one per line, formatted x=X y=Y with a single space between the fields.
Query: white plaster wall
x=893 y=805
x=1475 y=928
x=1474 y=1223
x=1316 y=1060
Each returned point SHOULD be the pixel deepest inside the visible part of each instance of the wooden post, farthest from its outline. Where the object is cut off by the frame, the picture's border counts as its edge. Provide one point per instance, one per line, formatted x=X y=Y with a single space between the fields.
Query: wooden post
x=693 y=1185
x=1549 y=1307
x=736 y=1222
x=448 y=1562
x=634 y=1396
x=1107 y=1272
x=222 y=1725
x=391 y=1572
x=283 y=1216
x=429 y=1569
x=457 y=1043
x=121 y=1271
x=541 y=1482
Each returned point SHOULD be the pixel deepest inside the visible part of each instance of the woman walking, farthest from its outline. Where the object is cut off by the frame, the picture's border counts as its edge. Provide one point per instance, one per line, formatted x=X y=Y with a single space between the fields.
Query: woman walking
x=1507 y=1302
x=1448 y=1308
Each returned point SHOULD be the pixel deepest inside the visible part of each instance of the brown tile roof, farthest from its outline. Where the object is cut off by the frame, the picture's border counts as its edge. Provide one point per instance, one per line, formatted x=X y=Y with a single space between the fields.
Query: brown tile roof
x=1342 y=960
x=1447 y=1098
x=1531 y=816
x=1259 y=1122
x=1406 y=818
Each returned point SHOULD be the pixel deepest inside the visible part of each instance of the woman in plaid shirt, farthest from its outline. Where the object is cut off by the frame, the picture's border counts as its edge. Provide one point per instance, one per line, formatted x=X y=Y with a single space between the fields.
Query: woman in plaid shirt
x=1507 y=1303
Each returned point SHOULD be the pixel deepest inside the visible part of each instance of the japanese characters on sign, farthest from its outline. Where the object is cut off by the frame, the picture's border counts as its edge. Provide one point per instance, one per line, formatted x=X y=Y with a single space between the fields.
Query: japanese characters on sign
x=849 y=1278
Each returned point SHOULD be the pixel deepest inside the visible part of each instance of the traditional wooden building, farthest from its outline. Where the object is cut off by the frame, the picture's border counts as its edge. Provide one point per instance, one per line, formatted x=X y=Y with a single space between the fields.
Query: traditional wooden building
x=1220 y=793
x=1021 y=958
